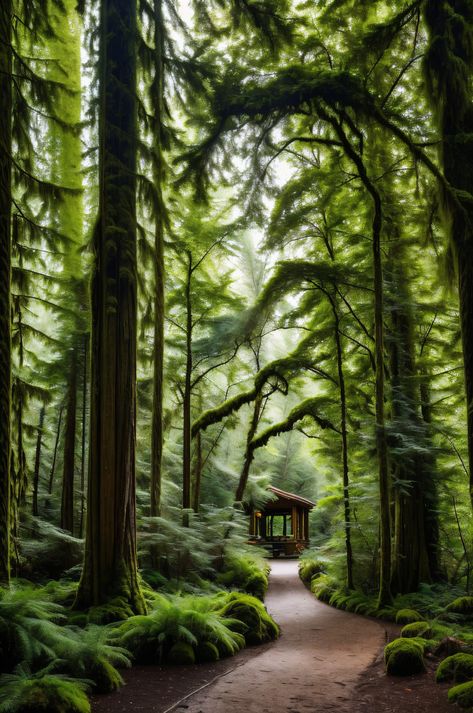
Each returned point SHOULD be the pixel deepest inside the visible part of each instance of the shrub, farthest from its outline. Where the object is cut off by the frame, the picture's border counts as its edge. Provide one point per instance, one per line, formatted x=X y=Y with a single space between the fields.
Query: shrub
x=90 y=655
x=244 y=572
x=404 y=657
x=181 y=653
x=206 y=652
x=308 y=567
x=408 y=616
x=322 y=586
x=23 y=692
x=259 y=626
x=418 y=628
x=462 y=695
x=189 y=619
x=458 y=667
x=461 y=605
x=29 y=627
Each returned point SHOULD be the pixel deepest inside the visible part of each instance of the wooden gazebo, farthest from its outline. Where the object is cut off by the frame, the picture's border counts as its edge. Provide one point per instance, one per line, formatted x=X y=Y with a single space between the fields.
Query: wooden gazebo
x=282 y=526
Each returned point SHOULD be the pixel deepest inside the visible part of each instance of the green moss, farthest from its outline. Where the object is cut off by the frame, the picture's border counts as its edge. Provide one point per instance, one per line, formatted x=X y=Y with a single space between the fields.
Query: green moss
x=207 y=652
x=408 y=616
x=181 y=653
x=418 y=628
x=462 y=605
x=456 y=668
x=259 y=626
x=116 y=609
x=462 y=695
x=404 y=657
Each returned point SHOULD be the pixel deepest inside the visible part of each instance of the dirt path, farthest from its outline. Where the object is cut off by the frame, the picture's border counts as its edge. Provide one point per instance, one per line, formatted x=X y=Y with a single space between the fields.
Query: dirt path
x=313 y=666
x=325 y=660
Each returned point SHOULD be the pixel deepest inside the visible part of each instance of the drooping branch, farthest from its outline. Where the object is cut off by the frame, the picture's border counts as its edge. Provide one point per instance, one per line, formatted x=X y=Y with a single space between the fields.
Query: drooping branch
x=309 y=407
x=280 y=370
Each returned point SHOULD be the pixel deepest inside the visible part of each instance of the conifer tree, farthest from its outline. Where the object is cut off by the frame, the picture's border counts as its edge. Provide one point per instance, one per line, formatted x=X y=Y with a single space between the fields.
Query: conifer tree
x=6 y=19
x=110 y=567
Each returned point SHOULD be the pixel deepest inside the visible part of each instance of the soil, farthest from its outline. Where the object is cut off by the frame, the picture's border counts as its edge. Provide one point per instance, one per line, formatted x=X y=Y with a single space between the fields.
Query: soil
x=325 y=661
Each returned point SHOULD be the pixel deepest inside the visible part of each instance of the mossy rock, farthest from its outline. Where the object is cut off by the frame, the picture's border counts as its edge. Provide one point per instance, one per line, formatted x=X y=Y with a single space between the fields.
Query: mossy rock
x=462 y=695
x=207 y=652
x=416 y=629
x=456 y=668
x=408 y=616
x=181 y=653
x=462 y=605
x=404 y=657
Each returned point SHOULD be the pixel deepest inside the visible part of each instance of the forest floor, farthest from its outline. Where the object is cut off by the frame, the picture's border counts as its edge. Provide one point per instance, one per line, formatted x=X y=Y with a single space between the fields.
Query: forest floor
x=324 y=661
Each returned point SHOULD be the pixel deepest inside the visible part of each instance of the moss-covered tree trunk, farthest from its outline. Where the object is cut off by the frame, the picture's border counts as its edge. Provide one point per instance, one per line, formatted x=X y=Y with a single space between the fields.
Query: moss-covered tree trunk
x=68 y=472
x=110 y=566
x=449 y=70
x=410 y=481
x=5 y=283
x=157 y=435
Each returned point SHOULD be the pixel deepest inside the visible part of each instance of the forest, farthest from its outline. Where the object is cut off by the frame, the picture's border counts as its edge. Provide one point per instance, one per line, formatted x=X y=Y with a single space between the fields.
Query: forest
x=236 y=251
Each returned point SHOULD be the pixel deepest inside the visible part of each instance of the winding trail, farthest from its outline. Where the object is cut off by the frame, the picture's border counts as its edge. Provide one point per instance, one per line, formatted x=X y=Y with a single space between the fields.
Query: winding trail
x=314 y=665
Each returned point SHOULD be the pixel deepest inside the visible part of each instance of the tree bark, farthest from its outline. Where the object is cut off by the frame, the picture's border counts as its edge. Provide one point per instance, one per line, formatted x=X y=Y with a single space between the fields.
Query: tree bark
x=449 y=70
x=68 y=473
x=159 y=270
x=249 y=452
x=56 y=446
x=5 y=286
x=343 y=428
x=37 y=461
x=187 y=394
x=84 y=435
x=110 y=567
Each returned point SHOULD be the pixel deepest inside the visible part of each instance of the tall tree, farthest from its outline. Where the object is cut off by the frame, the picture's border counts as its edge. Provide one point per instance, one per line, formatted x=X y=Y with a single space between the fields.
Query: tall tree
x=110 y=566
x=449 y=69
x=6 y=18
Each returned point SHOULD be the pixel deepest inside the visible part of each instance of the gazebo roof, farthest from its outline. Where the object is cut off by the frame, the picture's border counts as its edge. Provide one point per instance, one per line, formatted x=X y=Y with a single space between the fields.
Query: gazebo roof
x=290 y=496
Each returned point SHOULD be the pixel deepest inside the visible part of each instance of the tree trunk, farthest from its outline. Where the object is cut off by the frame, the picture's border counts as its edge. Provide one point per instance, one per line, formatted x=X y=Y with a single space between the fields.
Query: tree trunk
x=432 y=527
x=37 y=461
x=158 y=377
x=343 y=428
x=449 y=70
x=411 y=480
x=56 y=446
x=67 y=496
x=84 y=435
x=110 y=566
x=186 y=401
x=384 y=596
x=249 y=452
x=5 y=286
x=159 y=274
x=198 y=465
